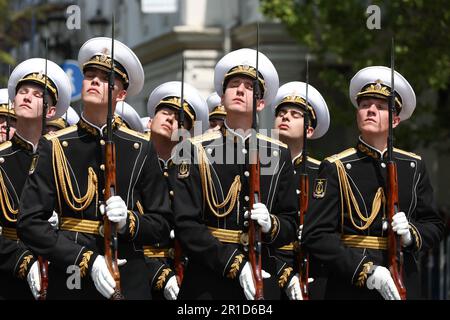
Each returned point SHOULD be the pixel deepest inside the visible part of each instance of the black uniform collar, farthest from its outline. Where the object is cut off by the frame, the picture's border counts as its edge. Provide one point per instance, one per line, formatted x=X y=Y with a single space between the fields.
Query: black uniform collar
x=231 y=133
x=166 y=163
x=23 y=143
x=297 y=160
x=370 y=151
x=95 y=130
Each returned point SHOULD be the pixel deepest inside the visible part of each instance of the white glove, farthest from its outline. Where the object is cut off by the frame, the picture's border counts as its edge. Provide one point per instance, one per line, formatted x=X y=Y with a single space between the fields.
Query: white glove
x=54 y=220
x=381 y=280
x=246 y=281
x=293 y=290
x=171 y=289
x=103 y=280
x=400 y=225
x=261 y=215
x=34 y=280
x=299 y=233
x=117 y=212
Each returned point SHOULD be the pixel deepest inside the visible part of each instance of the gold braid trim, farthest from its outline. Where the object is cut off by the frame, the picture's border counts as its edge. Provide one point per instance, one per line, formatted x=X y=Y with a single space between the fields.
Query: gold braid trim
x=235 y=266
x=349 y=197
x=132 y=226
x=63 y=181
x=416 y=235
x=362 y=277
x=275 y=226
x=24 y=266
x=209 y=190
x=140 y=208
x=7 y=208
x=162 y=278
x=284 y=277
x=84 y=264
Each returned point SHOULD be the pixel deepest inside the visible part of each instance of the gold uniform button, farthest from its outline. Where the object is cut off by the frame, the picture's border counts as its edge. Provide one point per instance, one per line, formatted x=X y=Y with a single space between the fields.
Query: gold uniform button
x=65 y=143
x=171 y=193
x=2 y=160
x=102 y=142
x=102 y=167
x=166 y=174
x=136 y=145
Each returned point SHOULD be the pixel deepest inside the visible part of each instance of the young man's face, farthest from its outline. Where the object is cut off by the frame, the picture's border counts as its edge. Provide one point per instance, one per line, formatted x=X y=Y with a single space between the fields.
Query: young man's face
x=238 y=95
x=28 y=102
x=95 y=87
x=289 y=122
x=3 y=125
x=165 y=122
x=372 y=117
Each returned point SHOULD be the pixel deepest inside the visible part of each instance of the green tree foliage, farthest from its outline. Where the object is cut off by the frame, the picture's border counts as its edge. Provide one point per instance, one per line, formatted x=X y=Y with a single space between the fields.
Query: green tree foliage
x=336 y=33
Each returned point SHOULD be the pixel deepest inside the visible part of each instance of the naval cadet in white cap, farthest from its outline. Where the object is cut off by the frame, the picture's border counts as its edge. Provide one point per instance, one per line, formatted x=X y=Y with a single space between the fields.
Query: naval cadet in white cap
x=212 y=189
x=7 y=116
x=217 y=111
x=69 y=177
x=290 y=108
x=164 y=108
x=346 y=226
x=18 y=159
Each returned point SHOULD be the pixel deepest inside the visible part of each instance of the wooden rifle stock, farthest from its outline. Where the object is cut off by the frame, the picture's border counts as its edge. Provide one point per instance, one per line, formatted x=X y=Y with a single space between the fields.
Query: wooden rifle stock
x=178 y=261
x=254 y=232
x=43 y=269
x=302 y=257
x=110 y=228
x=395 y=260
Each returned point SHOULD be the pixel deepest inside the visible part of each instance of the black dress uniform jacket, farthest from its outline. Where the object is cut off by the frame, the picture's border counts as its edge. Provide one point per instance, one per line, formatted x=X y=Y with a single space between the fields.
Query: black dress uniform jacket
x=160 y=256
x=288 y=265
x=71 y=166
x=339 y=239
x=16 y=259
x=211 y=192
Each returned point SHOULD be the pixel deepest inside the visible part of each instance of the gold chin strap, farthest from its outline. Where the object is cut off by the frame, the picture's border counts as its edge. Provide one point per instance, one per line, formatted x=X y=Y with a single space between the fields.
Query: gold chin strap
x=63 y=181
x=349 y=198
x=209 y=190
x=7 y=208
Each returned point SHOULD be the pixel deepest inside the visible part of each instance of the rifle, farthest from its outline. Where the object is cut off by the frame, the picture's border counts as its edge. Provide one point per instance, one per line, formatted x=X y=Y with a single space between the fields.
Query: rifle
x=110 y=228
x=302 y=257
x=43 y=264
x=8 y=119
x=178 y=253
x=395 y=255
x=254 y=231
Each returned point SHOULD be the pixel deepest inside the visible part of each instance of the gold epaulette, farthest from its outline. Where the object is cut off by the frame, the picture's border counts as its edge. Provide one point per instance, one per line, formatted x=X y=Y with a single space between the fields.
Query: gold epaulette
x=5 y=145
x=316 y=162
x=341 y=155
x=271 y=140
x=137 y=134
x=412 y=155
x=59 y=133
x=212 y=135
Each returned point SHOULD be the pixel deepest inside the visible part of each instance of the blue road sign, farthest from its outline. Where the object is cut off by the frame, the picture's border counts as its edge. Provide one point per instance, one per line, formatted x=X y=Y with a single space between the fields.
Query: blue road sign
x=75 y=75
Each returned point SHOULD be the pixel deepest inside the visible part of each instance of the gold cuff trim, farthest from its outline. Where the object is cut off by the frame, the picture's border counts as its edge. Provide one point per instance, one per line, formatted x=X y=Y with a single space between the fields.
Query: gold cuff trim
x=235 y=266
x=80 y=225
x=368 y=242
x=284 y=277
x=416 y=235
x=84 y=264
x=162 y=278
x=152 y=252
x=132 y=225
x=10 y=234
x=24 y=266
x=362 y=278
x=275 y=226
x=229 y=236
x=288 y=247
